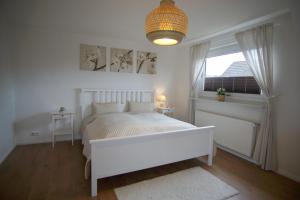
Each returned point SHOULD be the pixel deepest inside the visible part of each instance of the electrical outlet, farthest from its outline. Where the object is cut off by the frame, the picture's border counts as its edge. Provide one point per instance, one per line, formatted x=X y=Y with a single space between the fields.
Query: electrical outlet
x=35 y=133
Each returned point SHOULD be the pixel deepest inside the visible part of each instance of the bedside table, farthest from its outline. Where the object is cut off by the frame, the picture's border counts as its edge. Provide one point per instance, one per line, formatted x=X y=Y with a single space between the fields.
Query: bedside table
x=166 y=111
x=65 y=120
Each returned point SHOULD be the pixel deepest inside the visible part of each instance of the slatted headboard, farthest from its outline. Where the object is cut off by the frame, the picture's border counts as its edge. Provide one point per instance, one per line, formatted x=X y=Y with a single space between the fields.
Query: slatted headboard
x=89 y=96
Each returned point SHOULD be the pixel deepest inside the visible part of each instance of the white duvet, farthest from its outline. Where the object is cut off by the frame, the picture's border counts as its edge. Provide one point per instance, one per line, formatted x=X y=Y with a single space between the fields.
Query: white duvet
x=128 y=124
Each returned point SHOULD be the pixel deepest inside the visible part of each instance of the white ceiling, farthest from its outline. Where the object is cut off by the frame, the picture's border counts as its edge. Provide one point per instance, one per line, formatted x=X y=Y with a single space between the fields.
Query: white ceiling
x=124 y=19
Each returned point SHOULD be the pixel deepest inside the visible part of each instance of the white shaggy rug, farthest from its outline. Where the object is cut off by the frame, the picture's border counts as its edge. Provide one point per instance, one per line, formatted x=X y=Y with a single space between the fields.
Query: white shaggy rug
x=191 y=184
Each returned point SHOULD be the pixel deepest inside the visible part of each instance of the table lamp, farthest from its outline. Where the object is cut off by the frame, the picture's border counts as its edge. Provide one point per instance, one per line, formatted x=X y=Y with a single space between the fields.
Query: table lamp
x=161 y=99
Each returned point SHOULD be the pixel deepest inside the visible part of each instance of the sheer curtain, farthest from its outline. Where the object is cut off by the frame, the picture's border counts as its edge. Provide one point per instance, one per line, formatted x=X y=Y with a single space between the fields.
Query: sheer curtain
x=257 y=47
x=198 y=54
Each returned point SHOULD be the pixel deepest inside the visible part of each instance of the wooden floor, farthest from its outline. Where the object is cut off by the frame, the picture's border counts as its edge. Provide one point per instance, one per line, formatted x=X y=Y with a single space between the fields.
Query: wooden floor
x=40 y=172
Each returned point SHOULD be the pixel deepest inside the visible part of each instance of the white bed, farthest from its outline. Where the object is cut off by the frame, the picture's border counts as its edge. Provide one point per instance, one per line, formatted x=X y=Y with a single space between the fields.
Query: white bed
x=163 y=140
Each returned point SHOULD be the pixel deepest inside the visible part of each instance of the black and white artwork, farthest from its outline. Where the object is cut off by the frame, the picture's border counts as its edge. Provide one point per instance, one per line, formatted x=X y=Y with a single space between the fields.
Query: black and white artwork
x=92 y=57
x=121 y=60
x=146 y=62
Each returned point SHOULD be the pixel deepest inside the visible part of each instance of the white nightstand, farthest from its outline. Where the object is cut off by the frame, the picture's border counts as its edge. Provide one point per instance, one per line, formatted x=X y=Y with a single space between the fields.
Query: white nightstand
x=166 y=111
x=65 y=125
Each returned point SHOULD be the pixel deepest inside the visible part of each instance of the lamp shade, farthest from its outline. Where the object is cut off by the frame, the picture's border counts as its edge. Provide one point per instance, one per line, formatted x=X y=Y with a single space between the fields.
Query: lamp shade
x=161 y=98
x=167 y=24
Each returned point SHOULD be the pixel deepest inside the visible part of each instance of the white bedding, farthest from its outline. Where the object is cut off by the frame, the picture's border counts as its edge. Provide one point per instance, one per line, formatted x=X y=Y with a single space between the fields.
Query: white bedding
x=128 y=124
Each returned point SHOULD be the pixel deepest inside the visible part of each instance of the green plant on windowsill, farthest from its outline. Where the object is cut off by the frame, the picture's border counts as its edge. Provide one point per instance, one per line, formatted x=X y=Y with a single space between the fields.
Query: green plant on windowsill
x=221 y=92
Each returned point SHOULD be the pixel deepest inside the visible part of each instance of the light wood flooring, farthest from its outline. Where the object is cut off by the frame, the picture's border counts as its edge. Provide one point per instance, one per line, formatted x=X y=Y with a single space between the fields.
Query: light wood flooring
x=40 y=172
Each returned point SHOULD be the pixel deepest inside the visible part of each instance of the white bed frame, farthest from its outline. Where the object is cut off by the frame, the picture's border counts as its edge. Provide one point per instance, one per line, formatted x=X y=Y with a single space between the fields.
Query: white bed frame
x=115 y=156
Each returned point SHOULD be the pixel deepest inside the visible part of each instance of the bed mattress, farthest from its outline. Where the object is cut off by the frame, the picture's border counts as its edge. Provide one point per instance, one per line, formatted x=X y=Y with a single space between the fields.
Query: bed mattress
x=113 y=125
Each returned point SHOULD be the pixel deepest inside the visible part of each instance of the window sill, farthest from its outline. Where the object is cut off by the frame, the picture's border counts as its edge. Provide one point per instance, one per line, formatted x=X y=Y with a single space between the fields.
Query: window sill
x=235 y=99
x=236 y=96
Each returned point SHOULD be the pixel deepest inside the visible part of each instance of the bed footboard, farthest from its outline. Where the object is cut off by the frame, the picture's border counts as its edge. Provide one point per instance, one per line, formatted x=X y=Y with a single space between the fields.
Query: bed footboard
x=115 y=156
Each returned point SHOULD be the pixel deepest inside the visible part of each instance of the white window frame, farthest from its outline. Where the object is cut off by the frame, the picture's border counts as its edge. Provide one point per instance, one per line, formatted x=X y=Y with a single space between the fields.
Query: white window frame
x=231 y=95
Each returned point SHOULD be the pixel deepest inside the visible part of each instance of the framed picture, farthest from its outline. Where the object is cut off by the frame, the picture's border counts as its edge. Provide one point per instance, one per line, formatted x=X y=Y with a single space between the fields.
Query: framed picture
x=146 y=62
x=92 y=57
x=121 y=60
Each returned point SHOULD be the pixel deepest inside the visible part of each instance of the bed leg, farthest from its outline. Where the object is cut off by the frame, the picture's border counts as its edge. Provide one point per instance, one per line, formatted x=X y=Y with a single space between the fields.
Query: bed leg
x=93 y=186
x=211 y=149
x=210 y=159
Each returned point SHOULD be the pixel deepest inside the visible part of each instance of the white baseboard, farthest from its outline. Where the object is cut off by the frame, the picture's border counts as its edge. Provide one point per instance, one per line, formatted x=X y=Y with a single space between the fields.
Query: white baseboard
x=40 y=140
x=288 y=175
x=7 y=153
x=78 y=136
x=236 y=154
x=279 y=171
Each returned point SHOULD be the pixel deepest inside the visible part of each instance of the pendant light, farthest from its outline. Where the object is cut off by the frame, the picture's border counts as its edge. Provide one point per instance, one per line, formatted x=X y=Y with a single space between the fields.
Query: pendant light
x=167 y=24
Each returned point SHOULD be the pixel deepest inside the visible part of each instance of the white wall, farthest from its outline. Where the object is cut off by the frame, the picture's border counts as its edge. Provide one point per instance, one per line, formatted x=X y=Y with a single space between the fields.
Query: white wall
x=46 y=65
x=46 y=68
x=286 y=106
x=7 y=112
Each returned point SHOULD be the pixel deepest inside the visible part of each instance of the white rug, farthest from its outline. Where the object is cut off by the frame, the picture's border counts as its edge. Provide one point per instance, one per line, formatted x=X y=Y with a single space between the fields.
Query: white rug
x=191 y=184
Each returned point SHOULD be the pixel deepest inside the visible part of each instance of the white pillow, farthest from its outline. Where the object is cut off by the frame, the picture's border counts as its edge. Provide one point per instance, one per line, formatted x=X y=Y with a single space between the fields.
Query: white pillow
x=141 y=107
x=102 y=108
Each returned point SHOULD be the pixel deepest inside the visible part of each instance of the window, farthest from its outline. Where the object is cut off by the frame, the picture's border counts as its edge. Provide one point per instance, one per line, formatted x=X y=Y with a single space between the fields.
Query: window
x=231 y=72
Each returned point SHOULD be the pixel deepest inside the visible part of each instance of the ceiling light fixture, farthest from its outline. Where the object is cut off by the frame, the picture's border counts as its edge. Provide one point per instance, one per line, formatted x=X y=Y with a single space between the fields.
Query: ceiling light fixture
x=167 y=24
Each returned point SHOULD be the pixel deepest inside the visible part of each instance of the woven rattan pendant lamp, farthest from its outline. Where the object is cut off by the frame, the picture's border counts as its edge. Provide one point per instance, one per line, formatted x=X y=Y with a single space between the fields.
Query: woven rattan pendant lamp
x=167 y=24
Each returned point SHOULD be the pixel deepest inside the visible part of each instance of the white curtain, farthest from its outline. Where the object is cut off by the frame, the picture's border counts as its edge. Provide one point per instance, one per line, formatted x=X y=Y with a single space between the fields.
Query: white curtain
x=257 y=47
x=198 y=54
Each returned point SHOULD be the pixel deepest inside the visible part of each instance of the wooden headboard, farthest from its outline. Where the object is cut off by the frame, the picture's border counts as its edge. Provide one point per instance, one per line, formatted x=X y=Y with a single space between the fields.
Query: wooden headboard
x=89 y=96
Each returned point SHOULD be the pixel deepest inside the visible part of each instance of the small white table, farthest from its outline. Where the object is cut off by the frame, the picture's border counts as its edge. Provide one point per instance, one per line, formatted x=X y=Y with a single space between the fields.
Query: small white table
x=66 y=125
x=166 y=111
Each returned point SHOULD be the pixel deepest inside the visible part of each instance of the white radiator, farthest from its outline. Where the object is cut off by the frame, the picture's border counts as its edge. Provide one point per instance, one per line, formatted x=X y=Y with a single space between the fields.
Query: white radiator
x=236 y=134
